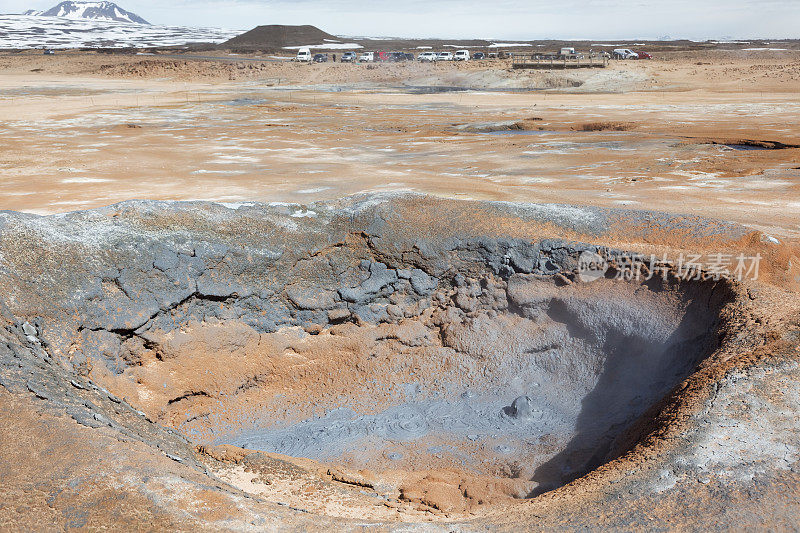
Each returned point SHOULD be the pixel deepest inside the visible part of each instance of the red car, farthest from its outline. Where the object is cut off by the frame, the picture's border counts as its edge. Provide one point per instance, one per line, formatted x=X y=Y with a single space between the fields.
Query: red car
x=644 y=55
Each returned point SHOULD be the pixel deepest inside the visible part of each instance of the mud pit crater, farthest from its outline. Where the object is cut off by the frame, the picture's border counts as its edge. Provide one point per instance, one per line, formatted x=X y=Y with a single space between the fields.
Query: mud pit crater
x=369 y=344
x=521 y=379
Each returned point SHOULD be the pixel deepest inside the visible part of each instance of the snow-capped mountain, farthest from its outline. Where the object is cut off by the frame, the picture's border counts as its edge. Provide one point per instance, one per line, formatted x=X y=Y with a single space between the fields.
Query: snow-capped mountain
x=25 y=31
x=102 y=11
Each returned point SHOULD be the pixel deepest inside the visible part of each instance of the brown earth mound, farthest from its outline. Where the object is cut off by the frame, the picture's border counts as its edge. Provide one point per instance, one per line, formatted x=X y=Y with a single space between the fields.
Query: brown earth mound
x=276 y=36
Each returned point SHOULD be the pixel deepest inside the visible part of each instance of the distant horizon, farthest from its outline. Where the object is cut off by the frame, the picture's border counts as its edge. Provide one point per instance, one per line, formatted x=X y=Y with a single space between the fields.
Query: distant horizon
x=569 y=20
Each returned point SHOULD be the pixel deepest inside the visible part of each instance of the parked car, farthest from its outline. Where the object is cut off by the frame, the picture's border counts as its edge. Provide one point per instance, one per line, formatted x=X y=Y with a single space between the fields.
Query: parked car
x=348 y=57
x=409 y=57
x=49 y=52
x=624 y=53
x=444 y=56
x=644 y=55
x=461 y=55
x=304 y=54
x=396 y=57
x=320 y=58
x=367 y=57
x=567 y=53
x=429 y=57
x=478 y=55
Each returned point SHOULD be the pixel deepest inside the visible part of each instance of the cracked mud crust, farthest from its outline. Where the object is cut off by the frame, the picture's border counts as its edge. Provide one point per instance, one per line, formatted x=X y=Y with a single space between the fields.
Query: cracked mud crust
x=439 y=361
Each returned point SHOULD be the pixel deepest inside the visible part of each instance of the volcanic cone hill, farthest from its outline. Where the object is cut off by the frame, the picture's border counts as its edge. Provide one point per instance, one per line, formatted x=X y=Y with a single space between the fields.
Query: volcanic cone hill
x=276 y=36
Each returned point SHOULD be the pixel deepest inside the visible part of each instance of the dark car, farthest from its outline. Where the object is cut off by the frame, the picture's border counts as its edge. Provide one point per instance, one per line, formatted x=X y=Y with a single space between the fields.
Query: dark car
x=478 y=55
x=320 y=58
x=48 y=52
x=409 y=57
x=348 y=57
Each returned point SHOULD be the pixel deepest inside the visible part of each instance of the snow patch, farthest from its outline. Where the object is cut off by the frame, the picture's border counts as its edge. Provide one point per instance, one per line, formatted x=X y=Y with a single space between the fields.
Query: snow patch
x=326 y=46
x=507 y=45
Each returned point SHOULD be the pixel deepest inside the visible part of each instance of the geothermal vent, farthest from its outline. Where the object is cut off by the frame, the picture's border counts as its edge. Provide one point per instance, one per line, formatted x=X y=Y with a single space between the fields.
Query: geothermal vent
x=365 y=337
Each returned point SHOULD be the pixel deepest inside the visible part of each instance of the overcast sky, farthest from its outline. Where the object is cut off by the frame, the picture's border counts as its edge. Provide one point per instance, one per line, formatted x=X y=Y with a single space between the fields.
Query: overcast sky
x=500 y=19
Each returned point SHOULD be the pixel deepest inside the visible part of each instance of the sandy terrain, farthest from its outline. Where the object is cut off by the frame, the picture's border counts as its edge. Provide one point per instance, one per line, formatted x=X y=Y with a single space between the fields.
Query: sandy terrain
x=89 y=130
x=483 y=370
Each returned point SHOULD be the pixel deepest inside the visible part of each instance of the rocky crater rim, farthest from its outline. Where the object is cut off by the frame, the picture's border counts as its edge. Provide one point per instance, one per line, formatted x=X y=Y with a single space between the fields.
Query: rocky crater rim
x=365 y=337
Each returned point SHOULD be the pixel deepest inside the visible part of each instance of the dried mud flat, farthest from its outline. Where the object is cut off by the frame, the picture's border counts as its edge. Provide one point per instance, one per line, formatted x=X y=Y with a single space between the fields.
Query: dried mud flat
x=366 y=309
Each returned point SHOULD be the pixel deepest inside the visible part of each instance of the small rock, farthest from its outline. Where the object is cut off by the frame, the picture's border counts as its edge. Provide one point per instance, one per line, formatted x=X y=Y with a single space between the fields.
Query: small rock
x=394 y=310
x=102 y=419
x=28 y=329
x=39 y=392
x=337 y=315
x=83 y=418
x=313 y=329
x=363 y=478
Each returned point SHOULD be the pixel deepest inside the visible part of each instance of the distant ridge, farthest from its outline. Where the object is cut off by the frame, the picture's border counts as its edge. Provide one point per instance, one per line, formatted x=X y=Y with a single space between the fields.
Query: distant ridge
x=277 y=36
x=101 y=11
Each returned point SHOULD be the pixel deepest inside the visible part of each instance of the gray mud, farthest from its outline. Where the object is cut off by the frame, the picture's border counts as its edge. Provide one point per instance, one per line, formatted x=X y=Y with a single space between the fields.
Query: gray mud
x=555 y=369
x=507 y=312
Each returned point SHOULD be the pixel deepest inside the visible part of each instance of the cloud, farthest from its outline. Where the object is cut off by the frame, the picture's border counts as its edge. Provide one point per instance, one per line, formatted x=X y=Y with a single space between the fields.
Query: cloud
x=501 y=19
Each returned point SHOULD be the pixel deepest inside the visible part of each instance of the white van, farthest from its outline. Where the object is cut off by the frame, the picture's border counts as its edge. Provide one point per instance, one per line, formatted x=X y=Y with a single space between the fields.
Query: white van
x=367 y=57
x=624 y=53
x=461 y=55
x=304 y=54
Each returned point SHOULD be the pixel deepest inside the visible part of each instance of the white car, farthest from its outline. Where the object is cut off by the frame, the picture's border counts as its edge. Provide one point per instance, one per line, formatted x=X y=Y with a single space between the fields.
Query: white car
x=444 y=56
x=625 y=53
x=366 y=57
x=427 y=56
x=461 y=55
x=304 y=54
